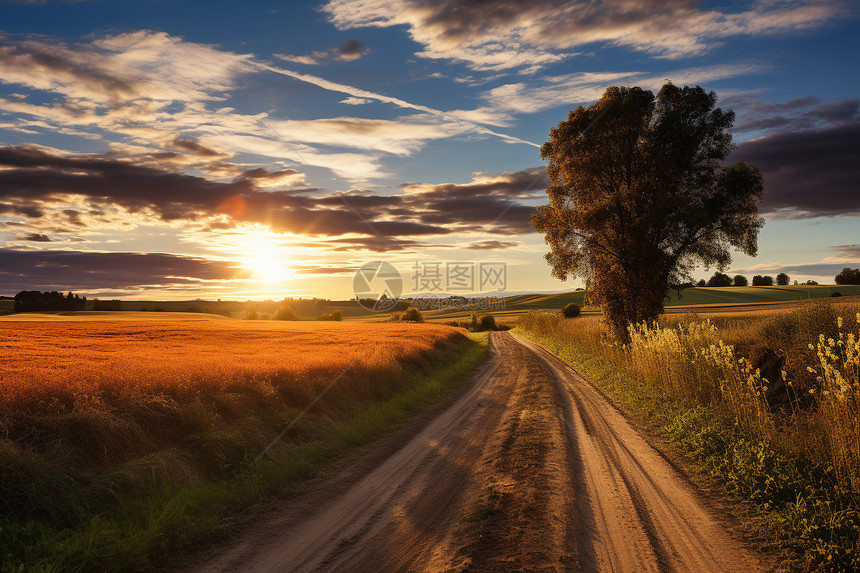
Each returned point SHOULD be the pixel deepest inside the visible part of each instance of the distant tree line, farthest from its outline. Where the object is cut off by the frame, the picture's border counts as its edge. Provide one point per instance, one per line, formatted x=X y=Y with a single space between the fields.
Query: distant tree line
x=723 y=280
x=34 y=300
x=848 y=277
x=107 y=304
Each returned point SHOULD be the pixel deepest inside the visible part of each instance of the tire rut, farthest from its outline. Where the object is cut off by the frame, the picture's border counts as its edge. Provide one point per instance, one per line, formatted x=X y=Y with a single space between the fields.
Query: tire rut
x=531 y=469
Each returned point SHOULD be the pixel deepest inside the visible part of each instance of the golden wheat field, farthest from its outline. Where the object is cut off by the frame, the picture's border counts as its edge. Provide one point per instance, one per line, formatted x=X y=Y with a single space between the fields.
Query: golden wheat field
x=62 y=365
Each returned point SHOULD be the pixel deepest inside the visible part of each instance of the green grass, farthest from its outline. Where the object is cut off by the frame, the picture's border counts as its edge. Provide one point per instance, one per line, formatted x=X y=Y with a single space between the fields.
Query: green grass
x=793 y=506
x=143 y=514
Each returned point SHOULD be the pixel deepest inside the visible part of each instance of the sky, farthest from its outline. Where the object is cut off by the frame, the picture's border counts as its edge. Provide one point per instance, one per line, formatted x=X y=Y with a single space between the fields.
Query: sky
x=175 y=150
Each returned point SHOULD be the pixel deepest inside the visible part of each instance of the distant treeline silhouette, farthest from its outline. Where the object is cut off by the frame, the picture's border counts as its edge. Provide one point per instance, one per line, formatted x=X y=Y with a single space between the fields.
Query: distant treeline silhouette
x=29 y=300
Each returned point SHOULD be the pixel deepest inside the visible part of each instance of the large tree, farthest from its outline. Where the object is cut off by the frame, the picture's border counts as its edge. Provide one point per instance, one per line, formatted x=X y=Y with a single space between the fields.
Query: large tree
x=639 y=197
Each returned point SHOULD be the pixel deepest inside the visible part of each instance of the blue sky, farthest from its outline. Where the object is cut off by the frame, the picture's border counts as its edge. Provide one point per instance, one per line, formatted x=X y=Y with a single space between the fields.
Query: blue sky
x=163 y=149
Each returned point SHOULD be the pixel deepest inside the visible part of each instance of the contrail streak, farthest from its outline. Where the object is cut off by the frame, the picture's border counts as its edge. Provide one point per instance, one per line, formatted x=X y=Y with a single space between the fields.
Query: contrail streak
x=358 y=92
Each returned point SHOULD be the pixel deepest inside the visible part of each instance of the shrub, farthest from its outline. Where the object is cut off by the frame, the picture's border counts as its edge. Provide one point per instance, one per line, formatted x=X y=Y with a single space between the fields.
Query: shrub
x=571 y=310
x=473 y=322
x=332 y=316
x=837 y=293
x=286 y=313
x=411 y=314
x=251 y=314
x=488 y=322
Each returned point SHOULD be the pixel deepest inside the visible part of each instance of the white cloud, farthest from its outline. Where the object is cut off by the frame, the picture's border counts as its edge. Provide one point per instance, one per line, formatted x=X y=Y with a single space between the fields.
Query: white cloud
x=578 y=88
x=529 y=34
x=355 y=100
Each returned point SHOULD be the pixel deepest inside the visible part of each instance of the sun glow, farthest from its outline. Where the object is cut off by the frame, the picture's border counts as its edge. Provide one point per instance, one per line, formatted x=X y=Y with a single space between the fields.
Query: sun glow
x=263 y=253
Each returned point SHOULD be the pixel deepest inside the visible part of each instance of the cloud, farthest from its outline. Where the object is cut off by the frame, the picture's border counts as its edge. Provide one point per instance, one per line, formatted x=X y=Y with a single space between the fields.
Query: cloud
x=116 y=69
x=195 y=147
x=848 y=252
x=489 y=203
x=34 y=237
x=148 y=88
x=365 y=94
x=349 y=51
x=492 y=245
x=796 y=114
x=89 y=190
x=582 y=87
x=355 y=101
x=399 y=136
x=87 y=271
x=807 y=173
x=529 y=34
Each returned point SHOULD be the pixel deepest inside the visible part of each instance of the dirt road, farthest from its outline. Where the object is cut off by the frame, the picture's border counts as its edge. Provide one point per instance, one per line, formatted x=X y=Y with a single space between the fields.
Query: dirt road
x=532 y=469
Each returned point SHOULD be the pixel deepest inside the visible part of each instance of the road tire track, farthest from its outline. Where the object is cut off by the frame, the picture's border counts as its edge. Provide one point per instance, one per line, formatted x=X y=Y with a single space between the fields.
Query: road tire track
x=531 y=469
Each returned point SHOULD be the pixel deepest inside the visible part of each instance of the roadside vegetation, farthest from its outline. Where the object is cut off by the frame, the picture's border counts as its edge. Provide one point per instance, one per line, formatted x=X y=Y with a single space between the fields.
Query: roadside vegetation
x=122 y=442
x=765 y=404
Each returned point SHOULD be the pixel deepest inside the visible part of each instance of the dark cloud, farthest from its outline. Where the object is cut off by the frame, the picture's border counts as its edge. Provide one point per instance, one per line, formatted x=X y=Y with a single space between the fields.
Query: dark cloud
x=34 y=237
x=351 y=50
x=490 y=245
x=36 y=182
x=490 y=203
x=65 y=66
x=849 y=251
x=193 y=146
x=83 y=271
x=808 y=173
x=505 y=34
x=796 y=114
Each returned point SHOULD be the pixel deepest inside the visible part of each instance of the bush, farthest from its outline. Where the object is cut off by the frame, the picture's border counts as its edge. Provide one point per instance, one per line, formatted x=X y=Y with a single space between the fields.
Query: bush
x=782 y=279
x=411 y=314
x=286 y=313
x=488 y=322
x=740 y=281
x=335 y=316
x=837 y=293
x=251 y=314
x=759 y=280
x=571 y=310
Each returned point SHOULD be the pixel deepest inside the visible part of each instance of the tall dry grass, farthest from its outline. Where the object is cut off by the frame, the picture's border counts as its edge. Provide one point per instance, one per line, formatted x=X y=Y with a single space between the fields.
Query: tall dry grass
x=715 y=361
x=768 y=404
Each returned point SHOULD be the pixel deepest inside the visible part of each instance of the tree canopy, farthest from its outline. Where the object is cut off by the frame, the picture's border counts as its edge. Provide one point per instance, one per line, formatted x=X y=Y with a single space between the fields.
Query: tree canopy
x=720 y=280
x=638 y=196
x=848 y=276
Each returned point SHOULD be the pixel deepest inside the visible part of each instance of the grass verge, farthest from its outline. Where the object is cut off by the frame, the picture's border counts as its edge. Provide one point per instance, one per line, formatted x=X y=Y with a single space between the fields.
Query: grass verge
x=795 y=507
x=143 y=513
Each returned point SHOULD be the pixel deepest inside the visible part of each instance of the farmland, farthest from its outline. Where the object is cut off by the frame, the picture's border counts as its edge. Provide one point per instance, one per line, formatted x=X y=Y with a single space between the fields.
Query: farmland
x=117 y=434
